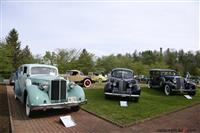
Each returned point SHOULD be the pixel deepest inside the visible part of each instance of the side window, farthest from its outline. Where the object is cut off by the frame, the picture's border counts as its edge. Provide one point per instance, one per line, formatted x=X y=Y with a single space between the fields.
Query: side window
x=74 y=73
x=25 y=70
x=20 y=71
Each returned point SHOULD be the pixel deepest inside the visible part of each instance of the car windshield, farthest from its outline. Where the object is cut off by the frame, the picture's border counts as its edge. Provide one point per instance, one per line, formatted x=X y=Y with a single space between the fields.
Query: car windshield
x=125 y=74
x=169 y=73
x=43 y=70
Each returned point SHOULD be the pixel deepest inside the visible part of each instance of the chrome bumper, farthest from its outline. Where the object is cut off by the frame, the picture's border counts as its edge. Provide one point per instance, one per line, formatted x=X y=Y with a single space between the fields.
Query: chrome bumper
x=122 y=95
x=57 y=105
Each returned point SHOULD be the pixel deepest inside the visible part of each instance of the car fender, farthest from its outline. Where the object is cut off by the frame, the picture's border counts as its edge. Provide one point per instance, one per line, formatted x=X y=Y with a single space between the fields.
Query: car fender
x=171 y=85
x=36 y=96
x=191 y=85
x=77 y=91
x=107 y=87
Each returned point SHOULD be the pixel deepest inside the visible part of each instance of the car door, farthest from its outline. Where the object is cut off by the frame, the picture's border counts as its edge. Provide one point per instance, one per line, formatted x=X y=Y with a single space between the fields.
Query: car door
x=22 y=78
x=73 y=76
x=155 y=78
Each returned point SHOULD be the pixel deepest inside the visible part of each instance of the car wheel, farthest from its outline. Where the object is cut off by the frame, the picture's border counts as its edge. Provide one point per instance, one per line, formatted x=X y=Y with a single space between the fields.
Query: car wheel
x=28 y=109
x=87 y=83
x=75 y=108
x=14 y=92
x=100 y=80
x=191 y=93
x=167 y=90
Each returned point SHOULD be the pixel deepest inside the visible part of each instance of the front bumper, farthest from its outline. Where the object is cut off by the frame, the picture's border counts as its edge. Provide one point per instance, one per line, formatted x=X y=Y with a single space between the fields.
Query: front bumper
x=121 y=95
x=57 y=105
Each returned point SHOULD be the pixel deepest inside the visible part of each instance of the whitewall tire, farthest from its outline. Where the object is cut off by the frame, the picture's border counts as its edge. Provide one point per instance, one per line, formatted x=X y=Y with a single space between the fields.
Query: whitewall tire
x=28 y=109
x=167 y=90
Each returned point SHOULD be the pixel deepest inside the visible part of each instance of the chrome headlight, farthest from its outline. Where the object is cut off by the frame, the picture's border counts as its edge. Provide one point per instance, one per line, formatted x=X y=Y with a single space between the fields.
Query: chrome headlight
x=44 y=85
x=72 y=84
x=130 y=85
x=174 y=81
x=138 y=87
x=114 y=84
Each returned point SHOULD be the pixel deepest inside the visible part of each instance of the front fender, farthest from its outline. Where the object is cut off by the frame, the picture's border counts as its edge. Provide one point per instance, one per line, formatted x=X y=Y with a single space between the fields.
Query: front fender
x=191 y=86
x=36 y=96
x=78 y=92
x=171 y=85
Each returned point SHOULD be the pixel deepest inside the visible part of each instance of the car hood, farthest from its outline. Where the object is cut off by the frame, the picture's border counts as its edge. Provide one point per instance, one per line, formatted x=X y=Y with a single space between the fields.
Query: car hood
x=172 y=77
x=45 y=77
x=125 y=80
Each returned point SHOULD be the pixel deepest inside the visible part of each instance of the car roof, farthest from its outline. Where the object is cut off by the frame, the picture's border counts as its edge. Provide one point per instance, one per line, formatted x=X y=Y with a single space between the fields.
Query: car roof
x=73 y=71
x=162 y=70
x=38 y=65
x=122 y=69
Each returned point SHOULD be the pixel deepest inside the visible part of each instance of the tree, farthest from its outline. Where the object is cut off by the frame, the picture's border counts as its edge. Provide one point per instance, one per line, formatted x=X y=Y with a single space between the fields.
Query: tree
x=66 y=59
x=85 y=62
x=26 y=56
x=5 y=59
x=50 y=58
x=13 y=47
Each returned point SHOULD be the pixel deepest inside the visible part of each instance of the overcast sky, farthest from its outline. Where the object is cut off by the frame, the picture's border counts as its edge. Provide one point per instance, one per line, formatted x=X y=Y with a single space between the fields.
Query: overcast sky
x=103 y=27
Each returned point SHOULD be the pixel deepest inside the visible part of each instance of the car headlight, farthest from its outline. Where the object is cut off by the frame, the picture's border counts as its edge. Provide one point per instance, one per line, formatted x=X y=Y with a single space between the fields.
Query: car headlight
x=44 y=85
x=130 y=85
x=72 y=84
x=114 y=84
x=174 y=81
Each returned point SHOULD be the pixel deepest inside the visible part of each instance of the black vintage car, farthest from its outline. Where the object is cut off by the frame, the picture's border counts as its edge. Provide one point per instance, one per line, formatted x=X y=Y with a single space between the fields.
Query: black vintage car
x=121 y=83
x=169 y=81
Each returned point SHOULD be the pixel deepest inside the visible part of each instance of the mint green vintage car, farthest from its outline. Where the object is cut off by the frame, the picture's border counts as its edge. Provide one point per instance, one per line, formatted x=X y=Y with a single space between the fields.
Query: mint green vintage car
x=39 y=87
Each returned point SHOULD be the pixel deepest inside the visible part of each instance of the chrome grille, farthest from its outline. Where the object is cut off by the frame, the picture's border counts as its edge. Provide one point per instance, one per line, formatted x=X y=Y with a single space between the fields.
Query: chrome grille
x=58 y=90
x=180 y=83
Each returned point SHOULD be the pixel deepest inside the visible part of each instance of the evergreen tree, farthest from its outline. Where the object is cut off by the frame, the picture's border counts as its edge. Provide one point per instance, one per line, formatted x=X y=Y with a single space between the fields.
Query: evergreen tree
x=13 y=47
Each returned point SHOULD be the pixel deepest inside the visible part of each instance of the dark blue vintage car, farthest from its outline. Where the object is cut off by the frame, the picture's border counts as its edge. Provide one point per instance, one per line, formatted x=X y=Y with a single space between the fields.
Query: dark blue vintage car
x=170 y=81
x=121 y=83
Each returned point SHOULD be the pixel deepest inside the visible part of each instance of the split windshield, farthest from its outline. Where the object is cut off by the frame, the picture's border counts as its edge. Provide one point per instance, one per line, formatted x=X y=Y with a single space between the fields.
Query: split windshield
x=43 y=70
x=125 y=74
x=169 y=73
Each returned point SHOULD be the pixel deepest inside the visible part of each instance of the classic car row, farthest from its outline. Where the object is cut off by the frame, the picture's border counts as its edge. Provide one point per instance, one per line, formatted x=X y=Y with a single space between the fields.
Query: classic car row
x=39 y=86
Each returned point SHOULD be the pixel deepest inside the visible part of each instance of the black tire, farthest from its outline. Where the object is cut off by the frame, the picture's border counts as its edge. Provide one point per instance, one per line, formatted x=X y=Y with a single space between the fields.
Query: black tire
x=191 y=93
x=87 y=83
x=167 y=90
x=75 y=108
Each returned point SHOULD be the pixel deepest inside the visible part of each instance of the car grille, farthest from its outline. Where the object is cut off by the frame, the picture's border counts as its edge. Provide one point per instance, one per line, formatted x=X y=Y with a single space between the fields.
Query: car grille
x=123 y=86
x=58 y=90
x=180 y=83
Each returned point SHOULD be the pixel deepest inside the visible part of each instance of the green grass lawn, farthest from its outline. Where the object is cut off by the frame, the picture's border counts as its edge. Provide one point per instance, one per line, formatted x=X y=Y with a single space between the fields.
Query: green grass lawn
x=152 y=103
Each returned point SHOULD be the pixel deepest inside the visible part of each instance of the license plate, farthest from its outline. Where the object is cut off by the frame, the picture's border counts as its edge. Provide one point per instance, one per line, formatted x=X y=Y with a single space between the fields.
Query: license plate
x=72 y=99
